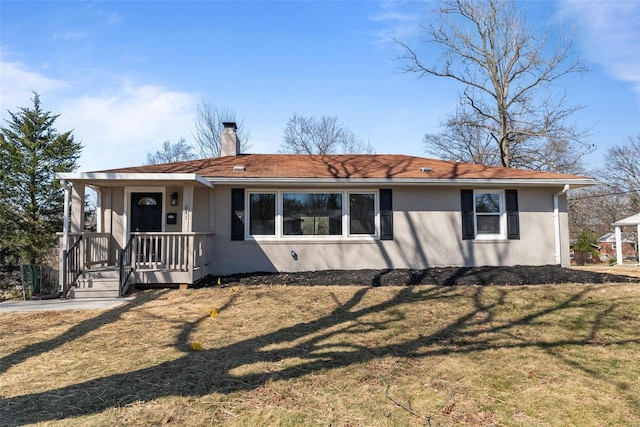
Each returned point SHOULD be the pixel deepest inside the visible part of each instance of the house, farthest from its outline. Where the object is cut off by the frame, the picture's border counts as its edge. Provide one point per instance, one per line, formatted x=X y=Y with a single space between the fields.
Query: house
x=608 y=247
x=178 y=222
x=632 y=221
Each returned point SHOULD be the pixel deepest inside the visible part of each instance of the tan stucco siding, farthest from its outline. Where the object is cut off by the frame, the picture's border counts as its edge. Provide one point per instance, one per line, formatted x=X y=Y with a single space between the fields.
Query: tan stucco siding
x=174 y=210
x=427 y=233
x=201 y=210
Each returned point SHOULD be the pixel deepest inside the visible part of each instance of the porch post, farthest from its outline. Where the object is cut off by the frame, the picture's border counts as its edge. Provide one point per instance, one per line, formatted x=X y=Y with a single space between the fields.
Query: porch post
x=77 y=208
x=187 y=211
x=64 y=241
x=65 y=217
x=99 y=227
x=618 y=246
x=105 y=209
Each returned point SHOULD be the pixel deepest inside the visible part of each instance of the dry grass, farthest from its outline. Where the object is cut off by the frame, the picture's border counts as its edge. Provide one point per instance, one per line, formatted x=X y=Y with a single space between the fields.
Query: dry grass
x=626 y=270
x=345 y=356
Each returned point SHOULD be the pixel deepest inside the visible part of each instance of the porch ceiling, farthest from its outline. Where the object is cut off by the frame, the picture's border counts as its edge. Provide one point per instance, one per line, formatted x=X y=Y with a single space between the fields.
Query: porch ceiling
x=108 y=179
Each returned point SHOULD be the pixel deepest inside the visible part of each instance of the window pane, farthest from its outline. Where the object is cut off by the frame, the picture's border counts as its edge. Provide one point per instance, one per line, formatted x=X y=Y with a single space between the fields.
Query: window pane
x=262 y=214
x=362 y=212
x=148 y=201
x=487 y=203
x=488 y=224
x=312 y=214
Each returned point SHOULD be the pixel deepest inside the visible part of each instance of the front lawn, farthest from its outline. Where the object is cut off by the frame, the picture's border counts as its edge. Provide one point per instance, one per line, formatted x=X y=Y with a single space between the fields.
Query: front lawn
x=329 y=355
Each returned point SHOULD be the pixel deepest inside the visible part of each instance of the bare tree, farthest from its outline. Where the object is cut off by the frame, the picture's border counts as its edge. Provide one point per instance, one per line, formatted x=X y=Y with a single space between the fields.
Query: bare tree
x=622 y=170
x=170 y=153
x=594 y=209
x=506 y=76
x=209 y=130
x=464 y=143
x=308 y=135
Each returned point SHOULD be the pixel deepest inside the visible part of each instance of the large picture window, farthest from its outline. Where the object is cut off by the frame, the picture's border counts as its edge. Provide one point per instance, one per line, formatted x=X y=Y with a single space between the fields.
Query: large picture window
x=288 y=214
x=262 y=214
x=312 y=214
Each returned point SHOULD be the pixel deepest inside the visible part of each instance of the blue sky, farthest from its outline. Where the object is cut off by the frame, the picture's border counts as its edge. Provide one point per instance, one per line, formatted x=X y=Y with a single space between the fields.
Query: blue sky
x=127 y=76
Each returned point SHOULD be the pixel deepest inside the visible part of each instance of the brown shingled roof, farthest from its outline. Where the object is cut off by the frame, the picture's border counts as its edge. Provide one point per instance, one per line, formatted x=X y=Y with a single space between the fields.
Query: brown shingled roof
x=339 y=166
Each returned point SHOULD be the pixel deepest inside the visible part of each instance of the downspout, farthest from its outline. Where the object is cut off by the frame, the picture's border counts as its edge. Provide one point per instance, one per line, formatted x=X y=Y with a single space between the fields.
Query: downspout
x=556 y=223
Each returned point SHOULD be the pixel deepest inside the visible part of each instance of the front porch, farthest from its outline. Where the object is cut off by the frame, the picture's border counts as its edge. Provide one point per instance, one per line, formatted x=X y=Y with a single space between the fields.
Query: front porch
x=95 y=265
x=146 y=232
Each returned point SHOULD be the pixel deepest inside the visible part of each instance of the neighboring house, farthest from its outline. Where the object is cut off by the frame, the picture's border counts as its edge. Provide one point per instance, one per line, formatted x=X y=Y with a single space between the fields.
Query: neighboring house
x=632 y=221
x=608 y=247
x=176 y=223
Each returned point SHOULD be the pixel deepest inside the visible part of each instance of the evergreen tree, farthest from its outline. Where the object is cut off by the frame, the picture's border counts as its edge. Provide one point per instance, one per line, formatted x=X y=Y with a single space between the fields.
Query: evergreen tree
x=31 y=153
x=585 y=247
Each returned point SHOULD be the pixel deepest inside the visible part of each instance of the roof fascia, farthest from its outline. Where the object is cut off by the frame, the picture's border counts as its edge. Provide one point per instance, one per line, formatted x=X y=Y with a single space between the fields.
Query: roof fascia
x=457 y=182
x=107 y=176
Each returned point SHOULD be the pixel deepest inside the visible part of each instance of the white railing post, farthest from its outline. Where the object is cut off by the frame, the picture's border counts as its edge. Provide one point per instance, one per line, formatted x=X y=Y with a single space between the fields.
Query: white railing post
x=191 y=254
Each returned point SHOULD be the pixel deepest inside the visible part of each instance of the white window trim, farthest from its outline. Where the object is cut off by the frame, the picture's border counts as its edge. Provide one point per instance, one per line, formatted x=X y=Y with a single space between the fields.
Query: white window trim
x=376 y=215
x=279 y=235
x=247 y=215
x=503 y=216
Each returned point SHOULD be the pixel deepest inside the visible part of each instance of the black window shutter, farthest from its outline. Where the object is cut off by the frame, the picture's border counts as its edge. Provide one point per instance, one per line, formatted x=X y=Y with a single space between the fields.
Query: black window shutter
x=237 y=214
x=466 y=200
x=386 y=214
x=513 y=220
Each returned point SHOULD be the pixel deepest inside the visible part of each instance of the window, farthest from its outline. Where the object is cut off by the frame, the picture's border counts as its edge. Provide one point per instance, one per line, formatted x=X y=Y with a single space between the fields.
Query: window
x=262 y=214
x=312 y=214
x=488 y=210
x=289 y=214
x=362 y=213
x=147 y=201
x=490 y=214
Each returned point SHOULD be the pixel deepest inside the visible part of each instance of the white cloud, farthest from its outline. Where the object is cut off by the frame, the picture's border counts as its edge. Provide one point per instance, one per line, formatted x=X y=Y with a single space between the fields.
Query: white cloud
x=120 y=126
x=71 y=35
x=400 y=20
x=117 y=125
x=17 y=84
x=609 y=32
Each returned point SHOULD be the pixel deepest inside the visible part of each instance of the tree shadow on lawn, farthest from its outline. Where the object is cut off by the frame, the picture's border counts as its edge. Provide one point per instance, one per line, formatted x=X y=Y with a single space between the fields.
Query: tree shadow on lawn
x=212 y=371
x=74 y=333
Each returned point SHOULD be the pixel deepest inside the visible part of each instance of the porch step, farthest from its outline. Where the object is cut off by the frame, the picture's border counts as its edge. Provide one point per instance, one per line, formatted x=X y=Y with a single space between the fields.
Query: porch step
x=96 y=288
x=103 y=273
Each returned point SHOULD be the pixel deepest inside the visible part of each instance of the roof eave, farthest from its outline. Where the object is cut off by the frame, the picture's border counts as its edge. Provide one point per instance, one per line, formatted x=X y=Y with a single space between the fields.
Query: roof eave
x=101 y=177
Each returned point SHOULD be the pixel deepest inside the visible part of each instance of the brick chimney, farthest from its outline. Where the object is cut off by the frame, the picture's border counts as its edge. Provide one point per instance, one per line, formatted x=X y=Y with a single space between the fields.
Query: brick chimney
x=229 y=142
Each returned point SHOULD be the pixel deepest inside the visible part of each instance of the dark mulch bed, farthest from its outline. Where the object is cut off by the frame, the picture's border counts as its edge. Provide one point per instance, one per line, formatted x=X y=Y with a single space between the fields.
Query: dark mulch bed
x=447 y=276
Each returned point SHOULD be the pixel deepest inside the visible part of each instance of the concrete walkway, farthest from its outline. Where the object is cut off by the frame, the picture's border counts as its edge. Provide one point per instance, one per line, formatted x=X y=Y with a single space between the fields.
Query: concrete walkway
x=63 y=304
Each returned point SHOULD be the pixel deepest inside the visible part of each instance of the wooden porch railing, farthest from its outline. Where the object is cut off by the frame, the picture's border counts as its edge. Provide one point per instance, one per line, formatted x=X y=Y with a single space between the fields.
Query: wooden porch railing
x=71 y=265
x=86 y=250
x=125 y=267
x=174 y=252
x=170 y=251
